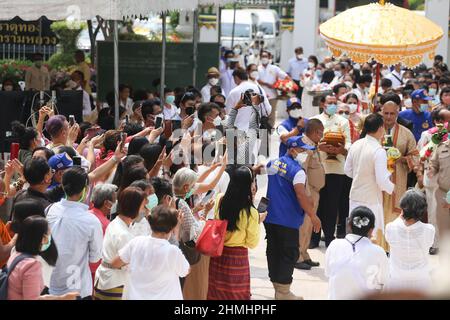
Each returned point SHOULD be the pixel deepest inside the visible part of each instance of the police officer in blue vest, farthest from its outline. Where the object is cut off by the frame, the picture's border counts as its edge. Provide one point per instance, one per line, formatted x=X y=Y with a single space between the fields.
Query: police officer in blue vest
x=288 y=203
x=293 y=126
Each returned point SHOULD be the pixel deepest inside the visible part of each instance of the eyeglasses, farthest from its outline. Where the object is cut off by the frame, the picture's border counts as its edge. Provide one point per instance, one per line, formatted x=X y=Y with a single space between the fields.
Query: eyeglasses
x=342 y=112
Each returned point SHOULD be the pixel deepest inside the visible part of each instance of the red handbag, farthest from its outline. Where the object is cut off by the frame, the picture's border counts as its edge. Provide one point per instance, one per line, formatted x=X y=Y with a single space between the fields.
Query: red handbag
x=211 y=240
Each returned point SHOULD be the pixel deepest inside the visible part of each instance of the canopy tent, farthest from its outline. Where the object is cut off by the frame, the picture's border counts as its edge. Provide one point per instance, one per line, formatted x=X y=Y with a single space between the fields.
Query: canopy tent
x=116 y=10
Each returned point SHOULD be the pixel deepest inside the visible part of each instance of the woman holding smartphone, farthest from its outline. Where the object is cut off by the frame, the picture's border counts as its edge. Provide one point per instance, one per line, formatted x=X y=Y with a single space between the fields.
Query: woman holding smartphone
x=229 y=274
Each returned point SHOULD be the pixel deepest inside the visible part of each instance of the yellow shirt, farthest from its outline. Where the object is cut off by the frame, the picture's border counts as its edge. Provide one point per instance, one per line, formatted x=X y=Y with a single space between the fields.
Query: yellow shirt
x=84 y=67
x=247 y=234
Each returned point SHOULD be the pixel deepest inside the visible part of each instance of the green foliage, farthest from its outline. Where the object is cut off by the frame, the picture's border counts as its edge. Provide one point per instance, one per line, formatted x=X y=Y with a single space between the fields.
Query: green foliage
x=13 y=69
x=417 y=4
x=174 y=19
x=132 y=37
x=68 y=34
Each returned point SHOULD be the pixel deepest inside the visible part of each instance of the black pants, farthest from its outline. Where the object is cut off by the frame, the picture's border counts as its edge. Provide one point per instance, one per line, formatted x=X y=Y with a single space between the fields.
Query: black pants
x=282 y=252
x=344 y=207
x=300 y=90
x=327 y=212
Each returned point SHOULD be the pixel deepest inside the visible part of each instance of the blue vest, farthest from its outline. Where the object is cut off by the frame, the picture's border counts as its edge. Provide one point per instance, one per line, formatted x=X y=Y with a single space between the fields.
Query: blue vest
x=289 y=124
x=284 y=208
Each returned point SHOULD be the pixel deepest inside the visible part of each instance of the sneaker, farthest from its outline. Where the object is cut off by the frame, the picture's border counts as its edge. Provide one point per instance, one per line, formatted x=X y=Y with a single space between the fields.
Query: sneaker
x=312 y=263
x=302 y=266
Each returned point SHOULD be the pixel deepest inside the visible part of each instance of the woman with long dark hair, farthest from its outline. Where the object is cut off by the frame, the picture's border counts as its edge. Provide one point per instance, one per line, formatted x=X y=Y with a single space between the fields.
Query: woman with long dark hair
x=28 y=139
x=229 y=274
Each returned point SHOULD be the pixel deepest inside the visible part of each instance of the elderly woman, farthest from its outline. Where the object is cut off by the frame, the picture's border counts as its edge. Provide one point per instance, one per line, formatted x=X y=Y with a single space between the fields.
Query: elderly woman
x=109 y=282
x=410 y=241
x=186 y=183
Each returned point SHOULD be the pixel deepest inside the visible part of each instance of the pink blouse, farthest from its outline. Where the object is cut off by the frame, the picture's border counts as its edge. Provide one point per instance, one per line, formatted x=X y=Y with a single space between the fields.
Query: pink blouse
x=25 y=282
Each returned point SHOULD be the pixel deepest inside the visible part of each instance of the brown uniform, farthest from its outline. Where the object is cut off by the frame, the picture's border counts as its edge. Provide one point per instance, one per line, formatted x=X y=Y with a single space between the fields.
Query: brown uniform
x=315 y=181
x=440 y=165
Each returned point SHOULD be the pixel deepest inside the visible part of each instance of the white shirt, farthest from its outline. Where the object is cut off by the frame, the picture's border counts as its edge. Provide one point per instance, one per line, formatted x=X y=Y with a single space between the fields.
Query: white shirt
x=206 y=92
x=78 y=235
x=117 y=235
x=297 y=67
x=361 y=94
x=355 y=274
x=409 y=259
x=221 y=186
x=170 y=113
x=87 y=110
x=270 y=74
x=154 y=269
x=128 y=106
x=141 y=228
x=393 y=77
x=244 y=114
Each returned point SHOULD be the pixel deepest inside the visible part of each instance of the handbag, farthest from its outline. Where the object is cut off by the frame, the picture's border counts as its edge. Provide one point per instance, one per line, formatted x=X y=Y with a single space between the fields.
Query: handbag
x=211 y=240
x=188 y=248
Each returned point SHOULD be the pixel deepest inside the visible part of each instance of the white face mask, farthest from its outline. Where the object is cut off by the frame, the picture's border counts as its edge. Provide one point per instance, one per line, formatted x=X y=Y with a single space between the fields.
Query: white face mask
x=299 y=56
x=311 y=65
x=301 y=157
x=265 y=61
x=349 y=84
x=217 y=121
x=408 y=103
x=254 y=75
x=353 y=107
x=296 y=113
x=385 y=72
x=213 y=81
x=237 y=51
x=329 y=65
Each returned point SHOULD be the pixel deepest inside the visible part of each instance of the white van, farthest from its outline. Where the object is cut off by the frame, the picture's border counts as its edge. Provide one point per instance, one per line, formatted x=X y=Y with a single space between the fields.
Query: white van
x=246 y=24
x=269 y=23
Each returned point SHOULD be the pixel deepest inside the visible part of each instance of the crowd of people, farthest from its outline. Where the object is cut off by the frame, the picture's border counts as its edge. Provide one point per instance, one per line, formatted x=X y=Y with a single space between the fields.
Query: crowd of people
x=106 y=213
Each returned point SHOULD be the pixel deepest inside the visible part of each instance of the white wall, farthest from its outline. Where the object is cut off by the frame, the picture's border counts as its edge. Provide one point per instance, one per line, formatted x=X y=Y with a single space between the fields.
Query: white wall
x=438 y=11
x=287 y=50
x=209 y=35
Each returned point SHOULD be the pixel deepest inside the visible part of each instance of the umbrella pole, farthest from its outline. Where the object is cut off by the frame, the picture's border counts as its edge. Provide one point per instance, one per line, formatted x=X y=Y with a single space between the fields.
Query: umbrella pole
x=377 y=80
x=163 y=60
x=116 y=74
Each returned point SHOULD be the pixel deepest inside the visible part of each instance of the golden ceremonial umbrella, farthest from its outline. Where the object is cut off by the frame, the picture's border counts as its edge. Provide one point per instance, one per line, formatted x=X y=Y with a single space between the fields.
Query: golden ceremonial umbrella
x=383 y=32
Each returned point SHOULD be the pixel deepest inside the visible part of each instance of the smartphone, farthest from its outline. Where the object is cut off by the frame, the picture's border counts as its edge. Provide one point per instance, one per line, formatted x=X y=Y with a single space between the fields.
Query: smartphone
x=209 y=195
x=263 y=204
x=176 y=124
x=14 y=153
x=158 y=122
x=127 y=119
x=77 y=161
x=123 y=138
x=169 y=146
x=71 y=120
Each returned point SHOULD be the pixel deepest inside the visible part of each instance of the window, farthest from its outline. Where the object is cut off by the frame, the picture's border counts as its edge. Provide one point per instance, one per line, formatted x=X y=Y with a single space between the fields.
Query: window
x=267 y=28
x=240 y=30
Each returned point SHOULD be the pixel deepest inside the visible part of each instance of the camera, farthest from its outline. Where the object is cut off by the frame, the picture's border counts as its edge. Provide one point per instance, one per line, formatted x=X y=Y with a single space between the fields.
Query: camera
x=248 y=97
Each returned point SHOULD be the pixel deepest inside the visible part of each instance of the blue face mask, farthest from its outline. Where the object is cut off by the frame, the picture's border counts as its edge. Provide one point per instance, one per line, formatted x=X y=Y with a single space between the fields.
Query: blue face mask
x=152 y=201
x=189 y=194
x=319 y=73
x=448 y=197
x=432 y=92
x=424 y=107
x=331 y=109
x=170 y=99
x=45 y=246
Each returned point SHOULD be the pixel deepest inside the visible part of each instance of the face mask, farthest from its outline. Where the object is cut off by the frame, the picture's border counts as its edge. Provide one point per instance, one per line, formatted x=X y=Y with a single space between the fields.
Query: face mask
x=301 y=157
x=38 y=64
x=329 y=65
x=45 y=246
x=319 y=73
x=152 y=201
x=331 y=109
x=189 y=194
x=170 y=99
x=448 y=197
x=265 y=61
x=8 y=88
x=349 y=84
x=299 y=56
x=366 y=90
x=423 y=107
x=432 y=92
x=338 y=73
x=254 y=75
x=311 y=65
x=296 y=113
x=237 y=51
x=353 y=107
x=345 y=115
x=213 y=81
x=190 y=111
x=217 y=121
x=408 y=103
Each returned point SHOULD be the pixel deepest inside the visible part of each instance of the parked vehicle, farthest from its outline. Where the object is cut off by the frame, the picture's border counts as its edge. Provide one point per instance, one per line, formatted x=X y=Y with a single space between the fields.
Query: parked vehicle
x=245 y=28
x=269 y=24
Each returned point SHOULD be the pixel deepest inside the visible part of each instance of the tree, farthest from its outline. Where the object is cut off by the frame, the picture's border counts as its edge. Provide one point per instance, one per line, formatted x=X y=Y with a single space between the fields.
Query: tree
x=68 y=34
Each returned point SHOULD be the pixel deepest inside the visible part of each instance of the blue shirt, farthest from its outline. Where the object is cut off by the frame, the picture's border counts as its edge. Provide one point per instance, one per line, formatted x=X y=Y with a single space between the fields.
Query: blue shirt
x=421 y=121
x=297 y=67
x=284 y=208
x=290 y=123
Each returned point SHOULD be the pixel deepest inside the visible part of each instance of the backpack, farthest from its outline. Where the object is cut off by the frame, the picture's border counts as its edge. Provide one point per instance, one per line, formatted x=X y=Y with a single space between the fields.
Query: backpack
x=4 y=275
